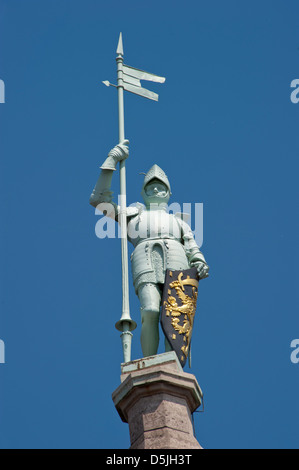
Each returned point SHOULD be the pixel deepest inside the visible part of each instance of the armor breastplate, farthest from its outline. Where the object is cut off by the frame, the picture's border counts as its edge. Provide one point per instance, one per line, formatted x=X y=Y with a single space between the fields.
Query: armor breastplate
x=151 y=225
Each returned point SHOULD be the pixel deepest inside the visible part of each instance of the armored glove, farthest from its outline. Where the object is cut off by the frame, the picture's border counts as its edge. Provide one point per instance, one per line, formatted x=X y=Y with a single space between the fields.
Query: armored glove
x=118 y=153
x=203 y=270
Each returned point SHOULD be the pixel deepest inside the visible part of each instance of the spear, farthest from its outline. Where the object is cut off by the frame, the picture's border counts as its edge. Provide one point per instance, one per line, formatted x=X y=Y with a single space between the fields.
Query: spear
x=128 y=78
x=125 y=324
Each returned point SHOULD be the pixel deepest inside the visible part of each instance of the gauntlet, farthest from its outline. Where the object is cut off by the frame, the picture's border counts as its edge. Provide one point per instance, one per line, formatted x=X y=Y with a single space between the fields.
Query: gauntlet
x=118 y=153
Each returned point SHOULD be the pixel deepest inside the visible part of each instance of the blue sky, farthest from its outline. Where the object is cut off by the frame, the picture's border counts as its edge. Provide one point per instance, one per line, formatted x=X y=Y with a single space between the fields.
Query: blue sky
x=226 y=133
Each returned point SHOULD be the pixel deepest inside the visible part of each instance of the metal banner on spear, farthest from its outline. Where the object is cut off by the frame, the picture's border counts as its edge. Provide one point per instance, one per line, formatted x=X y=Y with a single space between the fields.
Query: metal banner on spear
x=128 y=78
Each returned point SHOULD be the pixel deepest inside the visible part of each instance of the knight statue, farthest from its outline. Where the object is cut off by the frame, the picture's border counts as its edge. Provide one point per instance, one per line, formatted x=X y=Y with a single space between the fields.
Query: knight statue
x=161 y=241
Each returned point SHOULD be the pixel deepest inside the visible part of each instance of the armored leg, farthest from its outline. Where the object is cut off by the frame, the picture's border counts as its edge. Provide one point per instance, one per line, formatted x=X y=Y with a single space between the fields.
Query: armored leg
x=150 y=298
x=167 y=345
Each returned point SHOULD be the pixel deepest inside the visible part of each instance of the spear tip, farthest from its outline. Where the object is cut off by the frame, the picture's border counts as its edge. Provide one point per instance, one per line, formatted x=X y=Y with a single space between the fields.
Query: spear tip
x=120 y=49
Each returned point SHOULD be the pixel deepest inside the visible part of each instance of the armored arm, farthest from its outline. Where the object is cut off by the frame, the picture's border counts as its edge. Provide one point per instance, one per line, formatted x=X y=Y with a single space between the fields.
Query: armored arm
x=102 y=192
x=194 y=255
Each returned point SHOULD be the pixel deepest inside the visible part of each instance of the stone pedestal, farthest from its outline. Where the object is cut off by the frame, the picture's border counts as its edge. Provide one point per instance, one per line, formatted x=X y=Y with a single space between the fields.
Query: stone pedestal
x=157 y=398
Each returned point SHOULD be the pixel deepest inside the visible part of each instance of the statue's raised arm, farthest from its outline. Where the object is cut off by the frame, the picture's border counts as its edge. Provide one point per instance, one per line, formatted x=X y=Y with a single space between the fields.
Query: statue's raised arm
x=102 y=191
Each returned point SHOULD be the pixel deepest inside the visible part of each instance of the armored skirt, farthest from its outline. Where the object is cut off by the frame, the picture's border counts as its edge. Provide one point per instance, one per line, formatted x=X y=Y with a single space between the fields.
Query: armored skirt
x=151 y=258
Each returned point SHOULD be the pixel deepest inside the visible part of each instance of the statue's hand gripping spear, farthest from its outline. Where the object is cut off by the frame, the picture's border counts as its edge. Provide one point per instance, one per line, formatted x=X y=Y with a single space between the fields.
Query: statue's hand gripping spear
x=117 y=154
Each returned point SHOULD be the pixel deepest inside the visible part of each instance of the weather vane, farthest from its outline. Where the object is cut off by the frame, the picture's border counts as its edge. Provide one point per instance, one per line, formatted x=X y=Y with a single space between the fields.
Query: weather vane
x=167 y=264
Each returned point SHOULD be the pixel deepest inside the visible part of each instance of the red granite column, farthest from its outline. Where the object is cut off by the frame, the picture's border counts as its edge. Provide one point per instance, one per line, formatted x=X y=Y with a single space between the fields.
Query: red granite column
x=156 y=398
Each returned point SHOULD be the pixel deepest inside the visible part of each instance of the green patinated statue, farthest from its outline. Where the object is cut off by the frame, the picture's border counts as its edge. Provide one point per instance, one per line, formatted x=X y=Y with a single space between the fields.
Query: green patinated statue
x=161 y=241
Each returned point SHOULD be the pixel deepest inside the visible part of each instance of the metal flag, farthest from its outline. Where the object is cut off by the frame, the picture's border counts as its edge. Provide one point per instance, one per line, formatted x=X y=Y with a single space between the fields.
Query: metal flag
x=129 y=77
x=138 y=90
x=178 y=310
x=132 y=77
x=142 y=75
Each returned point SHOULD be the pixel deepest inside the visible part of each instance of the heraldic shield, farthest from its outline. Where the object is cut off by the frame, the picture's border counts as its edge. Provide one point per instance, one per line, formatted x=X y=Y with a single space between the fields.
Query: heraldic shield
x=178 y=309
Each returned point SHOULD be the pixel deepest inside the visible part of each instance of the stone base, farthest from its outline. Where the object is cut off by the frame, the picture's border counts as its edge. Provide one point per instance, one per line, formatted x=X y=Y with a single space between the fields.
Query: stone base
x=157 y=398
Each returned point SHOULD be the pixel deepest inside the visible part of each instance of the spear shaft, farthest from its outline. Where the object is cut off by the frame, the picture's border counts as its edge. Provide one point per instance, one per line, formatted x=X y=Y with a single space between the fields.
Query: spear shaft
x=123 y=190
x=125 y=324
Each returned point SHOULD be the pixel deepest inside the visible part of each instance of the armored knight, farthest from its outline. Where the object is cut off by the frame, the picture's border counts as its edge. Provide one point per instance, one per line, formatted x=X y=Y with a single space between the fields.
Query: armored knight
x=161 y=241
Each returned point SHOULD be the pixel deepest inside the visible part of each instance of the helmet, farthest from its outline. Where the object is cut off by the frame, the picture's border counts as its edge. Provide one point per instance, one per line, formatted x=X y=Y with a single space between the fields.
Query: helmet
x=156 y=173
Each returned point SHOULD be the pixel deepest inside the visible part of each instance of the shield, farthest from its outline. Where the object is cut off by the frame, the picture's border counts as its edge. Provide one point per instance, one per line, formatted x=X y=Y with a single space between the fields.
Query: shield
x=178 y=309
